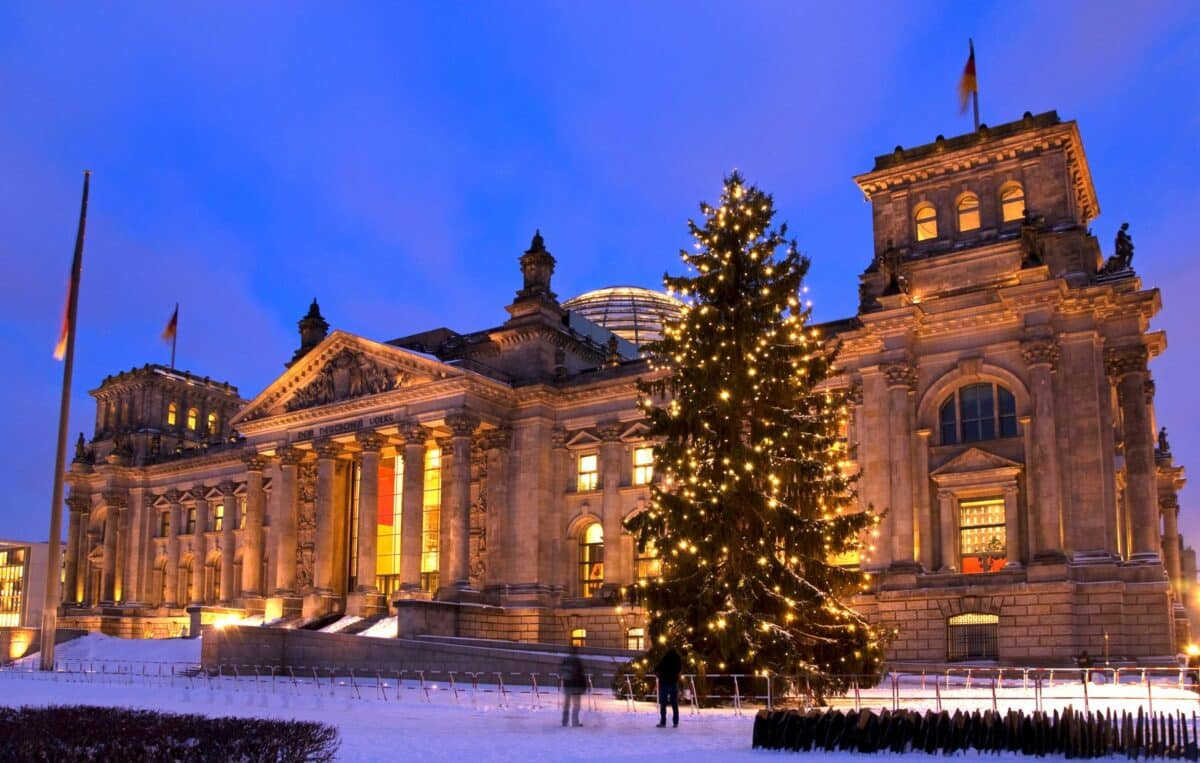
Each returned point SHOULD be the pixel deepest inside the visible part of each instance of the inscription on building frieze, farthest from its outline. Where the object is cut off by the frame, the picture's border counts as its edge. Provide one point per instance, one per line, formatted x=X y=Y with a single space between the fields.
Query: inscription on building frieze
x=344 y=427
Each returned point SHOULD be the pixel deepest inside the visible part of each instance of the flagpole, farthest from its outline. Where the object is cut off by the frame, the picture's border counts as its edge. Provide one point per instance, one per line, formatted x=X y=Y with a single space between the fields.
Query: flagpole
x=53 y=594
x=975 y=91
x=175 y=333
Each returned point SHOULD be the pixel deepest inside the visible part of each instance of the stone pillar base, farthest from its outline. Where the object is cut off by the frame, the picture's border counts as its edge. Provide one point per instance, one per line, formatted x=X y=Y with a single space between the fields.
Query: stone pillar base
x=366 y=604
x=524 y=595
x=317 y=605
x=1046 y=568
x=1144 y=558
x=458 y=594
x=254 y=604
x=901 y=575
x=284 y=604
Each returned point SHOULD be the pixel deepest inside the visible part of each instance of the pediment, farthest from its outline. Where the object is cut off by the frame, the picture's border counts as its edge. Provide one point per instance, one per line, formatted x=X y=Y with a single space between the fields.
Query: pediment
x=583 y=438
x=635 y=432
x=975 y=460
x=343 y=367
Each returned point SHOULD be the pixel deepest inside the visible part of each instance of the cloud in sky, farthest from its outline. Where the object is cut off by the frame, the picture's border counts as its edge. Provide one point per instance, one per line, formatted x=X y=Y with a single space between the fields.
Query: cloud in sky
x=393 y=161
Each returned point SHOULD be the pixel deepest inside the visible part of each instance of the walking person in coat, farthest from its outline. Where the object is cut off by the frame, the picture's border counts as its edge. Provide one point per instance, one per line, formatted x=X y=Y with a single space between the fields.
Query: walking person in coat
x=667 y=670
x=574 y=683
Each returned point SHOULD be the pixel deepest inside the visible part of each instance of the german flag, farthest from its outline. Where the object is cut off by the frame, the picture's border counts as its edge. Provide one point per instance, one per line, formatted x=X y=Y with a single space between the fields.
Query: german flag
x=172 y=325
x=60 y=349
x=967 y=85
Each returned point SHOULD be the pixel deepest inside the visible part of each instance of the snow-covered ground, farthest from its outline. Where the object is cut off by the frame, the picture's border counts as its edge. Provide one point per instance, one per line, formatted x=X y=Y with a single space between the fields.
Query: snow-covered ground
x=382 y=721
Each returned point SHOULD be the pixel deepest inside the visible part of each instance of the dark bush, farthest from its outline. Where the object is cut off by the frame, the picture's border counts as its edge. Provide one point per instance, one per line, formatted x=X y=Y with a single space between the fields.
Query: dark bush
x=85 y=733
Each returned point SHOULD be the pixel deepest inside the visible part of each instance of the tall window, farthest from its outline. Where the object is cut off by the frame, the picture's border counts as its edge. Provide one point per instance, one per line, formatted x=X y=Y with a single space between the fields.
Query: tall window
x=164 y=523
x=968 y=212
x=352 y=508
x=212 y=424
x=172 y=414
x=241 y=525
x=219 y=517
x=982 y=535
x=431 y=519
x=589 y=472
x=648 y=564
x=643 y=465
x=591 y=559
x=1012 y=203
x=978 y=412
x=191 y=521
x=388 y=535
x=926 y=220
x=12 y=578
x=193 y=417
x=973 y=636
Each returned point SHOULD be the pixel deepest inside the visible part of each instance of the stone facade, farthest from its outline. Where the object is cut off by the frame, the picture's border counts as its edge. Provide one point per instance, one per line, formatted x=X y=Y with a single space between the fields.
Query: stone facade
x=477 y=484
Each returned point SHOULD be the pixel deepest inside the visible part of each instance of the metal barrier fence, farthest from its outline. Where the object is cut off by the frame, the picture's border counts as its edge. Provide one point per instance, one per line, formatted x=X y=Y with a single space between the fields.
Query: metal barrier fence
x=1038 y=689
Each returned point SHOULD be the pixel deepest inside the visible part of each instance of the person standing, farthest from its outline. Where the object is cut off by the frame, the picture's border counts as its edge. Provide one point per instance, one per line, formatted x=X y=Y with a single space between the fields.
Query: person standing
x=574 y=683
x=667 y=670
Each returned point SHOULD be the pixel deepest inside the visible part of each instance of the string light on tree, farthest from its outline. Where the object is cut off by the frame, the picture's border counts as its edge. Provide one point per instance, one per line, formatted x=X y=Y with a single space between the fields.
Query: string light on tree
x=754 y=494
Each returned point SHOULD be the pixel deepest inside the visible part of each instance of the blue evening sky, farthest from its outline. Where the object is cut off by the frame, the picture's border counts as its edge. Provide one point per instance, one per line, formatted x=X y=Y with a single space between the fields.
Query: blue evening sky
x=393 y=160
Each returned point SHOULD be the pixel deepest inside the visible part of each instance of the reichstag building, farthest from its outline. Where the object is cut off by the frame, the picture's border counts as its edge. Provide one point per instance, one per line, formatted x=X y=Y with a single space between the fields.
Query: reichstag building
x=476 y=483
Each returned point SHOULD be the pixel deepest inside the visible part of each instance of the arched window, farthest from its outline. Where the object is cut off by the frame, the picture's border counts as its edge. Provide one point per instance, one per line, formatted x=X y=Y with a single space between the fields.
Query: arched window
x=172 y=414
x=212 y=423
x=1012 y=203
x=978 y=412
x=925 y=217
x=591 y=559
x=968 y=213
x=193 y=418
x=973 y=636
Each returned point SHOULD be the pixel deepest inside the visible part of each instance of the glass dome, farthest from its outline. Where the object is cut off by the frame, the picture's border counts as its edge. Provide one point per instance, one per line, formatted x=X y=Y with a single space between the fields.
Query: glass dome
x=630 y=312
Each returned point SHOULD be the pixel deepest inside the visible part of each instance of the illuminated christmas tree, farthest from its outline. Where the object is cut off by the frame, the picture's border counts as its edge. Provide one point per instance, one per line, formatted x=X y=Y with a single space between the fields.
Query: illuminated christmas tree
x=754 y=510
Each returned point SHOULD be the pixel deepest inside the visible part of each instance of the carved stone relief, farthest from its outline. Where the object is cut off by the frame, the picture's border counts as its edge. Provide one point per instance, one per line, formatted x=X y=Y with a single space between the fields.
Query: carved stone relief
x=306 y=523
x=347 y=375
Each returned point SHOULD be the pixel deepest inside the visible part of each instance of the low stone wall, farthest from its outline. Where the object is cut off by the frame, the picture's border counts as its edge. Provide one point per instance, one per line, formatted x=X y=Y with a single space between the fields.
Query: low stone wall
x=18 y=641
x=1041 y=622
x=303 y=650
x=605 y=627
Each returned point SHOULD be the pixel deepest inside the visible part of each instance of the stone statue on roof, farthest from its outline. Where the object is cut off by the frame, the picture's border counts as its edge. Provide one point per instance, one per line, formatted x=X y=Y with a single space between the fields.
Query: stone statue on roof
x=1124 y=248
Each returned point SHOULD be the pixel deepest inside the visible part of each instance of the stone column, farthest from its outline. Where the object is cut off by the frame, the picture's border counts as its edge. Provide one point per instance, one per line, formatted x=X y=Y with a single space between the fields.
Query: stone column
x=921 y=507
x=171 y=573
x=1040 y=356
x=618 y=568
x=901 y=380
x=134 y=549
x=323 y=572
x=557 y=575
x=284 y=531
x=445 y=587
x=229 y=519
x=412 y=505
x=77 y=504
x=108 y=570
x=199 y=544
x=1127 y=367
x=252 y=533
x=1169 y=505
x=499 y=527
x=948 y=517
x=368 y=511
x=462 y=426
x=1012 y=534
x=120 y=594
